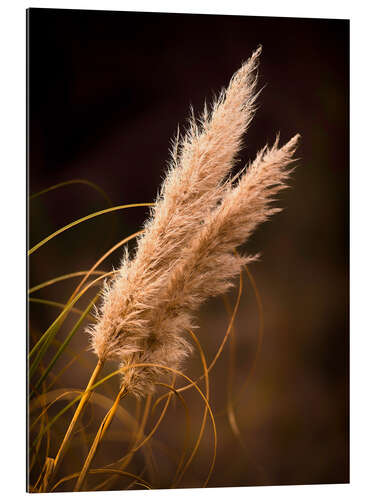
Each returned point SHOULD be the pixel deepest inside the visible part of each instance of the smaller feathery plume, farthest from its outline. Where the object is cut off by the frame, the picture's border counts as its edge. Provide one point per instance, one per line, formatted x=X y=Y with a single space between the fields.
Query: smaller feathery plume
x=209 y=265
x=187 y=252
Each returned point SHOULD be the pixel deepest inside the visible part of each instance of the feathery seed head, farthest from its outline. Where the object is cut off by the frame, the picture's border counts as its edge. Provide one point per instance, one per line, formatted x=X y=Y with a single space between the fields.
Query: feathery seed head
x=186 y=252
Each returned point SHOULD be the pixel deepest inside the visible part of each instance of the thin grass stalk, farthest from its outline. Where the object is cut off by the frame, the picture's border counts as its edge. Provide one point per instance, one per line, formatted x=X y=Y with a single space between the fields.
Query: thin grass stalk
x=82 y=403
x=204 y=419
x=187 y=431
x=102 y=258
x=65 y=343
x=139 y=434
x=41 y=430
x=83 y=219
x=61 y=278
x=99 y=436
x=46 y=408
x=141 y=482
x=231 y=374
x=53 y=303
x=123 y=462
x=43 y=343
x=68 y=183
x=188 y=379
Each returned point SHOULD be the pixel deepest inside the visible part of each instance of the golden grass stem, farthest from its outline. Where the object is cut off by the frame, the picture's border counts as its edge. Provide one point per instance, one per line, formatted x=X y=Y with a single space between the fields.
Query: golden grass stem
x=58 y=305
x=83 y=401
x=73 y=181
x=139 y=434
x=92 y=270
x=107 y=470
x=204 y=419
x=187 y=432
x=231 y=375
x=63 y=277
x=99 y=436
x=43 y=478
x=83 y=219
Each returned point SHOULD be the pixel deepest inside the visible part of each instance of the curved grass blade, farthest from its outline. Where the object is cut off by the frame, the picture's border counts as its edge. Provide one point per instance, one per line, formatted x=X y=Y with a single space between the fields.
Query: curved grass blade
x=204 y=419
x=73 y=181
x=102 y=258
x=83 y=219
x=42 y=345
x=142 y=482
x=126 y=459
x=53 y=303
x=55 y=327
x=66 y=342
x=61 y=278
x=121 y=370
x=106 y=422
x=231 y=375
x=187 y=428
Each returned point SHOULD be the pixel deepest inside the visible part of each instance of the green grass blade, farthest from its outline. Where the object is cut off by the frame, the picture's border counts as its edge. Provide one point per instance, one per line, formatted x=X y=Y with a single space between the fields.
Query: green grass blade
x=52 y=303
x=65 y=343
x=61 y=278
x=83 y=219
x=56 y=417
x=43 y=343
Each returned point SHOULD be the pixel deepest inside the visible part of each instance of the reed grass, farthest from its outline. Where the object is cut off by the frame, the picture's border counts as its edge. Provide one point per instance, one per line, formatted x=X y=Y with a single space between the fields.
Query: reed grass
x=186 y=253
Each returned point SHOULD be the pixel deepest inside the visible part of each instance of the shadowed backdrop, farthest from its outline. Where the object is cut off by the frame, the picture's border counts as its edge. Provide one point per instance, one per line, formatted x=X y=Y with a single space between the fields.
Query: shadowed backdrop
x=106 y=93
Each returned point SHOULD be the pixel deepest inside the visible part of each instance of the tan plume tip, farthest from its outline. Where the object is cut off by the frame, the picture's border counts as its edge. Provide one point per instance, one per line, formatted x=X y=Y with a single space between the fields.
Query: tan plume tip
x=186 y=253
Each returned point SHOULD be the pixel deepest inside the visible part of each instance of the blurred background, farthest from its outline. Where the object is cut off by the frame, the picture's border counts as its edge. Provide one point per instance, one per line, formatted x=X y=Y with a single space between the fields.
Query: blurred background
x=106 y=93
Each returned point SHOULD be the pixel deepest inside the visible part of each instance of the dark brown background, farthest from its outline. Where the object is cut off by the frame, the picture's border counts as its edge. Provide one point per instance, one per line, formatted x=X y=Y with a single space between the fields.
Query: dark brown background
x=107 y=90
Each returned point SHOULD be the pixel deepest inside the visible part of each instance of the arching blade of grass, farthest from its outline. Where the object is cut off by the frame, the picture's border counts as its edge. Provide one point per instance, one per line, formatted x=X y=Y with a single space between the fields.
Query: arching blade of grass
x=104 y=471
x=204 y=419
x=77 y=357
x=103 y=428
x=106 y=422
x=231 y=376
x=34 y=458
x=53 y=303
x=124 y=461
x=42 y=345
x=155 y=427
x=187 y=428
x=62 y=278
x=121 y=370
x=73 y=181
x=179 y=476
x=74 y=296
x=102 y=258
x=60 y=414
x=83 y=219
x=65 y=343
x=99 y=399
x=238 y=397
x=51 y=401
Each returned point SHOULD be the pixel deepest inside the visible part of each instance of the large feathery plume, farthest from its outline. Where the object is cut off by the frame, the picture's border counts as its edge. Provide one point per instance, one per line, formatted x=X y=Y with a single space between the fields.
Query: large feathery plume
x=193 y=186
x=208 y=266
x=187 y=252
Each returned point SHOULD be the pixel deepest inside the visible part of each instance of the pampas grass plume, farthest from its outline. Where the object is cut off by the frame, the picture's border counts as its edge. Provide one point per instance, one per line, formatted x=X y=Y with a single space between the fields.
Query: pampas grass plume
x=186 y=252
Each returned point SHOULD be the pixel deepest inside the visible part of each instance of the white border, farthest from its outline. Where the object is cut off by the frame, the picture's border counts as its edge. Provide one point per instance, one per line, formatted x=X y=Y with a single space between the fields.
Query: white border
x=12 y=95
